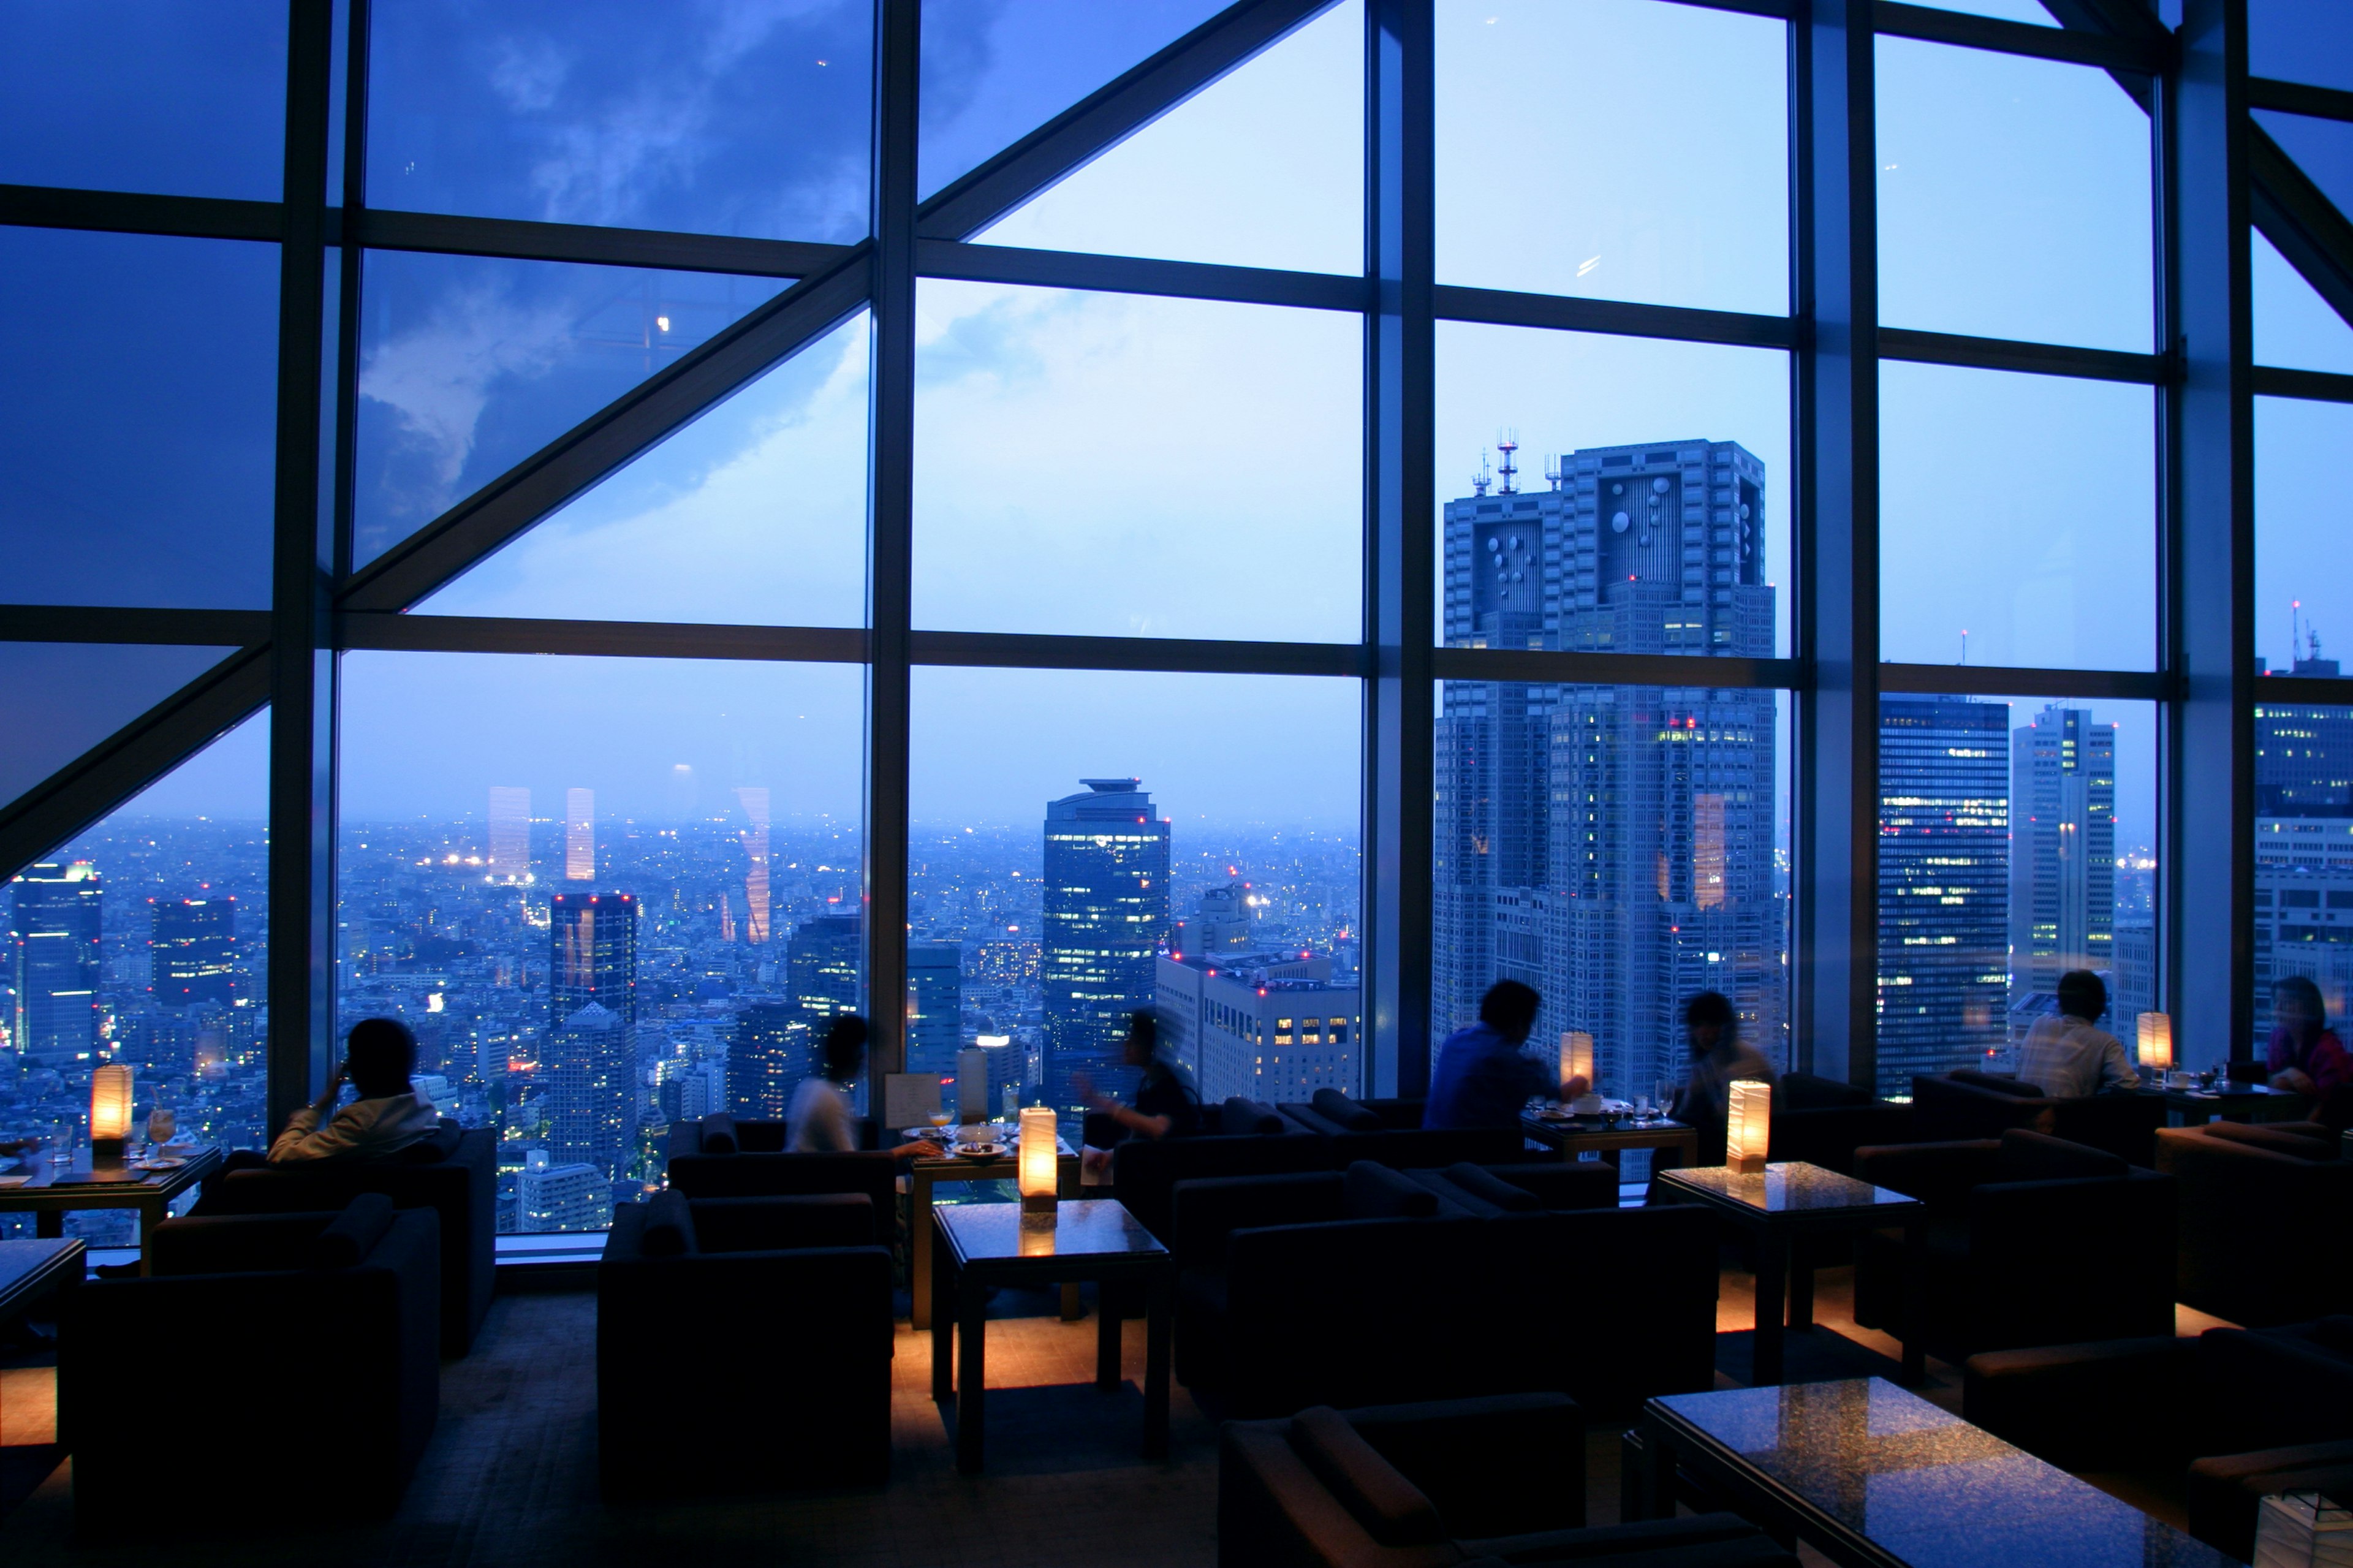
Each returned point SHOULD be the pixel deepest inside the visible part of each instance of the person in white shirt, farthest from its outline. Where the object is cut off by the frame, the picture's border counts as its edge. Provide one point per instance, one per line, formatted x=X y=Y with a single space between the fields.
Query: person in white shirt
x=819 y=1119
x=2066 y=1057
x=378 y=1055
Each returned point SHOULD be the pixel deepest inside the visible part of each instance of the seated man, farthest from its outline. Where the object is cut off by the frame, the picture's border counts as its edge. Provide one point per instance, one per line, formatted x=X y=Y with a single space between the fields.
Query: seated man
x=2066 y=1057
x=388 y=1116
x=1484 y=1075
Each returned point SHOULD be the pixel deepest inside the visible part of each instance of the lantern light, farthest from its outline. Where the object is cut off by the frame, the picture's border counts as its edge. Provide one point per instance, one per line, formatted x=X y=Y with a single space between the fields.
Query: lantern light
x=110 y=1111
x=1749 y=1128
x=1576 y=1061
x=2156 y=1042
x=1040 y=1171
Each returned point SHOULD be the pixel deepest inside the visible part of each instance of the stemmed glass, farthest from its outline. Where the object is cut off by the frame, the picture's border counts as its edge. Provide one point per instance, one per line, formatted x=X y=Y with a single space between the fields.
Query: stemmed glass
x=161 y=1124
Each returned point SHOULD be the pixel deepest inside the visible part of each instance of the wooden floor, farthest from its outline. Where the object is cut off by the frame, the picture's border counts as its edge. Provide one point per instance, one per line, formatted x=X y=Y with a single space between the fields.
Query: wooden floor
x=510 y=1480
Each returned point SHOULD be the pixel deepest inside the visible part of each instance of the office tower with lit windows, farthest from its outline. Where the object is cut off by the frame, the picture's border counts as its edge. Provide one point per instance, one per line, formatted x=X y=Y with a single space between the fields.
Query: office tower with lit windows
x=1221 y=922
x=594 y=937
x=1271 y=1026
x=1611 y=846
x=193 y=951
x=53 y=969
x=556 y=1196
x=1106 y=916
x=773 y=1049
x=753 y=835
x=935 y=1007
x=824 y=967
x=2304 y=848
x=2063 y=849
x=580 y=836
x=585 y=1066
x=1944 y=878
x=510 y=833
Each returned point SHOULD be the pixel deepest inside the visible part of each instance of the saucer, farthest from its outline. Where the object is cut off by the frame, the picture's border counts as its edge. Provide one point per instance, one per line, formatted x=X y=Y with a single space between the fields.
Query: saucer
x=981 y=1151
x=166 y=1165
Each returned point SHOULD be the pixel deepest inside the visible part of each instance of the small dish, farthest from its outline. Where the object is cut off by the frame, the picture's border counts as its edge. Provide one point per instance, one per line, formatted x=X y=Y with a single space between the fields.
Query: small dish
x=165 y=1165
x=981 y=1151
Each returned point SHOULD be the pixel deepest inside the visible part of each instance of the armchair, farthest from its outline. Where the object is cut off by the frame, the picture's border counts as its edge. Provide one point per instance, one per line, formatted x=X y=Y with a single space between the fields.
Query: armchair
x=1966 y=1104
x=2266 y=1221
x=720 y=1157
x=1823 y=1121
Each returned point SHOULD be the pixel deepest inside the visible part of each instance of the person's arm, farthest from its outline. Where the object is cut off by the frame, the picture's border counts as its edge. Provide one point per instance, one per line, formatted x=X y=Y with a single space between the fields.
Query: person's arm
x=2115 y=1068
x=2332 y=1065
x=1133 y=1119
x=303 y=1139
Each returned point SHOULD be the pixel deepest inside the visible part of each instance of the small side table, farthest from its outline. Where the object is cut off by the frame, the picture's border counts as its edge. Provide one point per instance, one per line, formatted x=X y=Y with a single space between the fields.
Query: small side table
x=978 y=1245
x=1782 y=1202
x=56 y=1191
x=922 y=1175
x=32 y=1269
x=1574 y=1136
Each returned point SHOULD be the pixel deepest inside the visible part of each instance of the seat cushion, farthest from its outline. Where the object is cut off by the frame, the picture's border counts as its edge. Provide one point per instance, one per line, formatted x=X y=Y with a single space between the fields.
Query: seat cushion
x=2226 y=1491
x=2301 y=1146
x=2038 y=1157
x=719 y=1134
x=1392 y=1509
x=669 y=1228
x=1482 y=1182
x=2008 y=1086
x=353 y=1234
x=1346 y=1113
x=1375 y=1192
x=1242 y=1114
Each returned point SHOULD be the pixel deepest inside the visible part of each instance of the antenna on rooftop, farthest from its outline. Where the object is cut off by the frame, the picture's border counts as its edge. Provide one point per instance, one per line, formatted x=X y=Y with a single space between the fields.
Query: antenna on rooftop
x=1479 y=480
x=1508 y=442
x=1554 y=470
x=2295 y=630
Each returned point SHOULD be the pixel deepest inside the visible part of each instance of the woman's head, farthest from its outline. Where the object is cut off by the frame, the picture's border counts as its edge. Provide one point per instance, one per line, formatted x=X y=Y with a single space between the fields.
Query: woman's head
x=2298 y=1006
x=845 y=1046
x=1142 y=1037
x=1708 y=1022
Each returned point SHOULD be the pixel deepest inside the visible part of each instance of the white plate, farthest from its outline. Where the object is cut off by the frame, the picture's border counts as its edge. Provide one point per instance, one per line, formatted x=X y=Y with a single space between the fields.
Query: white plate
x=157 y=1164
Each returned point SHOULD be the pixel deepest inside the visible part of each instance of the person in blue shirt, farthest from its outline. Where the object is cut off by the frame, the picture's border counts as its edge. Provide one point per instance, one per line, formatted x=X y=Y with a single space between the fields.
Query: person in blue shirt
x=1485 y=1075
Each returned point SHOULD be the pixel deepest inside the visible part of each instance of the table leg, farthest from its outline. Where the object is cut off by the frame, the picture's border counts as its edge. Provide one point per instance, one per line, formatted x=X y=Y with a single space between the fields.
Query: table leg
x=918 y=1249
x=1072 y=1309
x=1801 y=1287
x=1916 y=1275
x=941 y=1315
x=49 y=1224
x=1107 y=1347
x=972 y=1377
x=150 y=1217
x=1772 y=1271
x=1648 y=1486
x=1159 y=1314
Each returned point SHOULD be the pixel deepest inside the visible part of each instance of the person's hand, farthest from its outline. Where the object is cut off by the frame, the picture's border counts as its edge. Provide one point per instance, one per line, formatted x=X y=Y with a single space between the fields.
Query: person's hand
x=922 y=1149
x=1082 y=1084
x=1577 y=1087
x=334 y=1087
x=2294 y=1079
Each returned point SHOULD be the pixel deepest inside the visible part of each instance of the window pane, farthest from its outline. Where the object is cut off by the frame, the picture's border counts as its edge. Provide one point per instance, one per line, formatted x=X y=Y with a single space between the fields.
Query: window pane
x=1648 y=490
x=1621 y=149
x=2323 y=149
x=137 y=461
x=58 y=699
x=146 y=95
x=2013 y=198
x=721 y=119
x=2304 y=531
x=754 y=513
x=2295 y=327
x=2047 y=559
x=470 y=364
x=2008 y=10
x=1620 y=848
x=995 y=70
x=1120 y=466
x=141 y=941
x=1066 y=881
x=2017 y=841
x=2303 y=865
x=2301 y=41
x=480 y=878
x=1197 y=185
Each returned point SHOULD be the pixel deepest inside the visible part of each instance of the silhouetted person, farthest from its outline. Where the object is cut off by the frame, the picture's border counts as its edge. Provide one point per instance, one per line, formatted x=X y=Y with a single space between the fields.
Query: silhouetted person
x=1486 y=1076
x=378 y=1055
x=2068 y=1056
x=2305 y=1054
x=1164 y=1108
x=1719 y=1055
x=818 y=1120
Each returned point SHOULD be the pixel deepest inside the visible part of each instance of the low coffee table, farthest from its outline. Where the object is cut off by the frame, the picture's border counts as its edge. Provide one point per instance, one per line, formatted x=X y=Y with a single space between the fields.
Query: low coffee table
x=977 y=1246
x=1781 y=1203
x=1575 y=1135
x=56 y=1191
x=924 y=1174
x=1874 y=1476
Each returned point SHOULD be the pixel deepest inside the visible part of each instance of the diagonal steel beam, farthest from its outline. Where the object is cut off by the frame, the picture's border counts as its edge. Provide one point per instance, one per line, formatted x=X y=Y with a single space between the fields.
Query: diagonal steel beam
x=119 y=767
x=2300 y=220
x=1097 y=123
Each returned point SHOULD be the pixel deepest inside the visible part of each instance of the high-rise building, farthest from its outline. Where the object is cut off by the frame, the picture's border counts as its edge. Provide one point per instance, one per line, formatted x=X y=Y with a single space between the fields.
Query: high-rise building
x=1221 y=921
x=53 y=940
x=510 y=833
x=586 y=1065
x=2304 y=848
x=2132 y=989
x=935 y=1007
x=1612 y=847
x=193 y=951
x=595 y=939
x=1106 y=916
x=2063 y=849
x=580 y=834
x=824 y=965
x=552 y=1195
x=1272 y=1027
x=755 y=837
x=1944 y=877
x=773 y=1049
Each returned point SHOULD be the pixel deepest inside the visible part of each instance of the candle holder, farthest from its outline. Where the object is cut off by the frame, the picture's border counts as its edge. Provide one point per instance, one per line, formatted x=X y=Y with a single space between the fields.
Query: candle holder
x=1749 y=1129
x=1040 y=1171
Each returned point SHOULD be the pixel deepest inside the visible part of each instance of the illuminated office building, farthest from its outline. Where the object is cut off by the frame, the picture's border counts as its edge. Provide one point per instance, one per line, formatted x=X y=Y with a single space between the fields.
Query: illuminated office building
x=586 y=1065
x=1270 y=1026
x=771 y=1049
x=824 y=967
x=53 y=938
x=2063 y=849
x=2303 y=846
x=594 y=940
x=193 y=951
x=1106 y=916
x=935 y=1007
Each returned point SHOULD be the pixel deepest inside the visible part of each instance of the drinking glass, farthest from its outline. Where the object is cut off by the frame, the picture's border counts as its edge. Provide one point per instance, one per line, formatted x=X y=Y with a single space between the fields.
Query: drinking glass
x=161 y=1124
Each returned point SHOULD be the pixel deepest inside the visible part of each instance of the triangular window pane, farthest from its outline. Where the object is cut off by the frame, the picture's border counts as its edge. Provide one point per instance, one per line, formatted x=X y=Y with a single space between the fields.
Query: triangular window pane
x=754 y=513
x=2296 y=329
x=2323 y=149
x=469 y=365
x=995 y=70
x=1197 y=184
x=2301 y=41
x=59 y=700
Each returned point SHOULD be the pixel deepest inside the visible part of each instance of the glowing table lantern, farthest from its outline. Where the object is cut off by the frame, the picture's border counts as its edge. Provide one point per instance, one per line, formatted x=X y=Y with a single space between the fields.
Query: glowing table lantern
x=1040 y=1173
x=1750 y=1125
x=2156 y=1044
x=1577 y=1058
x=110 y=1110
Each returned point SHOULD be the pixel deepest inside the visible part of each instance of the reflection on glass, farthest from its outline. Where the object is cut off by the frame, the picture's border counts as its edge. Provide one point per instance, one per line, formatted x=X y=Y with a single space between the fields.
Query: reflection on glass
x=2301 y=41
x=137 y=462
x=2303 y=852
x=2303 y=551
x=2017 y=841
x=469 y=365
x=1597 y=426
x=58 y=699
x=1197 y=185
x=1619 y=149
x=1132 y=467
x=720 y=119
x=1087 y=844
x=146 y=95
x=2017 y=520
x=754 y=513
x=2013 y=198
x=2295 y=327
x=1620 y=848
x=2008 y=10
x=995 y=70
x=609 y=894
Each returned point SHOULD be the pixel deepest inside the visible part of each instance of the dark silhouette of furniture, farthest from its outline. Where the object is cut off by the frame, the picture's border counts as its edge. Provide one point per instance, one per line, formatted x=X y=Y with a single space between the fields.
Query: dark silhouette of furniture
x=1822 y=1122
x=1952 y=1106
x=310 y=1341
x=797 y=1295
x=720 y=1157
x=2237 y=1412
x=1415 y=1486
x=1389 y=1132
x=454 y=1174
x=2266 y=1220
x=2029 y=1240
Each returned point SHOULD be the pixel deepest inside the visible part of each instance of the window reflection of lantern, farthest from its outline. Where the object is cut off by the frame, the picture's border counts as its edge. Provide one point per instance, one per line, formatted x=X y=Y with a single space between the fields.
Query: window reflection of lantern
x=1749 y=1128
x=2156 y=1042
x=110 y=1110
x=1040 y=1172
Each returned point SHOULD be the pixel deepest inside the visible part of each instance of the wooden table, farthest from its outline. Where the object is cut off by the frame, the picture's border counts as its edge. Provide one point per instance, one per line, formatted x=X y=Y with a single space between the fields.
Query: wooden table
x=56 y=1191
x=922 y=1175
x=2231 y=1102
x=1575 y=1135
x=984 y=1245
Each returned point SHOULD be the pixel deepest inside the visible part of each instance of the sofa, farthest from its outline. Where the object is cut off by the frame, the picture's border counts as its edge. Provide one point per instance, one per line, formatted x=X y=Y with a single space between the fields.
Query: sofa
x=2266 y=1220
x=721 y=1157
x=1389 y=1132
x=308 y=1345
x=796 y=1294
x=455 y=1173
x=1952 y=1106
x=1456 y=1481
x=1822 y=1121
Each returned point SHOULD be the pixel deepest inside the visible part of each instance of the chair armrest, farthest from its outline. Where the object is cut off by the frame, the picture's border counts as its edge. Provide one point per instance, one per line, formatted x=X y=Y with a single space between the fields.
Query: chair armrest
x=1938 y=1175
x=1208 y=1209
x=1507 y=1465
x=2109 y=1404
x=233 y=1244
x=779 y=1225
x=1570 y=1184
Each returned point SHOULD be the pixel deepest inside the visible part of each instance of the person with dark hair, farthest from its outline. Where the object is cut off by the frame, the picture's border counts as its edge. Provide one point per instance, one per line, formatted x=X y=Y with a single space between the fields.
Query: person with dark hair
x=2067 y=1057
x=378 y=1055
x=1718 y=1056
x=1485 y=1075
x=819 y=1119
x=2305 y=1054
x=1165 y=1106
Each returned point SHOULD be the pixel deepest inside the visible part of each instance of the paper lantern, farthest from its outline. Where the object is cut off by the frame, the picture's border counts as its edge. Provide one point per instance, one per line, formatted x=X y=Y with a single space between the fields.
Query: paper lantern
x=1750 y=1125
x=2156 y=1042
x=110 y=1110
x=1577 y=1057
x=1040 y=1172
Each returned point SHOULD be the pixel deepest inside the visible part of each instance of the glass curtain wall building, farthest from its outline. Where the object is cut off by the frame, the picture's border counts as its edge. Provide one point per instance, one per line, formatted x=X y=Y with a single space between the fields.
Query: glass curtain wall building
x=1840 y=509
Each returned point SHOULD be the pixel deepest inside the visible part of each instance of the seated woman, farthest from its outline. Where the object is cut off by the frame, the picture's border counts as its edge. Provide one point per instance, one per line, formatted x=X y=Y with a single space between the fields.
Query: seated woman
x=2305 y=1054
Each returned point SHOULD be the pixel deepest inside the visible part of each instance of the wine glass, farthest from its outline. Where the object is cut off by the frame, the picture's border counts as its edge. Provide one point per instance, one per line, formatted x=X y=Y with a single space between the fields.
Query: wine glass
x=939 y=1118
x=161 y=1124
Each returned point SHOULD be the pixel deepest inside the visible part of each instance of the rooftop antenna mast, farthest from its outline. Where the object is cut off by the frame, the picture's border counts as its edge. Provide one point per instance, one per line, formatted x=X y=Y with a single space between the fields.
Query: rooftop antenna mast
x=1555 y=470
x=1964 y=645
x=1507 y=444
x=1479 y=480
x=2295 y=630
